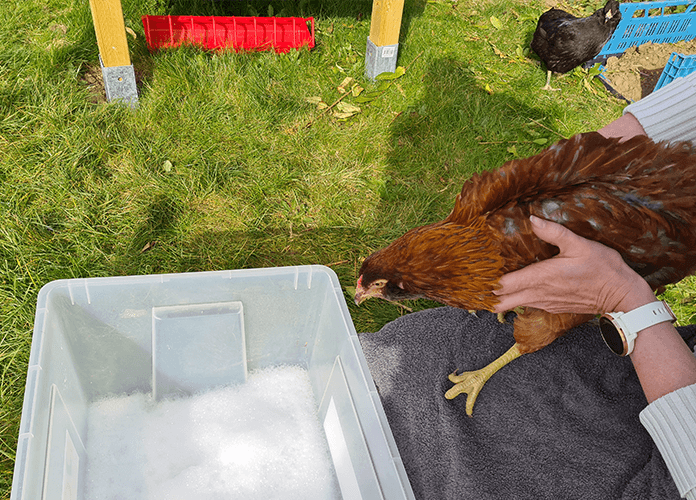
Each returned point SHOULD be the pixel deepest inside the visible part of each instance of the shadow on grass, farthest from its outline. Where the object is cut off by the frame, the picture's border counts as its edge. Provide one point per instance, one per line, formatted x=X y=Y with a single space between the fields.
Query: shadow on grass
x=158 y=250
x=454 y=131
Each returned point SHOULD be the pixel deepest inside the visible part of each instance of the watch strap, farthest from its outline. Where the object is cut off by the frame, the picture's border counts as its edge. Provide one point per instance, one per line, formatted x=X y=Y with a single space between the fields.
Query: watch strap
x=646 y=316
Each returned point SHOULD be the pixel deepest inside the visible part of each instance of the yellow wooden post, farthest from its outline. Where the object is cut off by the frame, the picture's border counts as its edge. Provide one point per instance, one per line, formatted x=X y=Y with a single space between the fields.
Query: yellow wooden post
x=111 y=32
x=383 y=42
x=118 y=73
x=386 y=22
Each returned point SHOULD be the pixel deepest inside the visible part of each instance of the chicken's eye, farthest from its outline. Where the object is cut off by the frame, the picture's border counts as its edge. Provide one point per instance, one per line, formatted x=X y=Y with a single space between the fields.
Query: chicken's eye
x=378 y=283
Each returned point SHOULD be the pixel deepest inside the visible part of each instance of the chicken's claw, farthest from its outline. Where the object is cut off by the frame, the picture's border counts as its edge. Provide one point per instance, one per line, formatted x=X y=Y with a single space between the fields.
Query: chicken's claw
x=548 y=82
x=472 y=382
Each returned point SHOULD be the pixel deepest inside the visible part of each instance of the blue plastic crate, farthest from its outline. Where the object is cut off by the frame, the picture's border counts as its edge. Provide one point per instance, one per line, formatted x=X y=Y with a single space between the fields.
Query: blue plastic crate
x=646 y=22
x=677 y=65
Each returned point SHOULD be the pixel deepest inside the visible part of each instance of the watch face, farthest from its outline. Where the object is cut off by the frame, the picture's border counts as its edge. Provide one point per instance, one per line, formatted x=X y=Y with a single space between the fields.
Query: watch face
x=612 y=337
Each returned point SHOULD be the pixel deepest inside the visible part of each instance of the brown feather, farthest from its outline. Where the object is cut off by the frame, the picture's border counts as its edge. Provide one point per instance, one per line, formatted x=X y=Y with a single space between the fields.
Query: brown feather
x=637 y=197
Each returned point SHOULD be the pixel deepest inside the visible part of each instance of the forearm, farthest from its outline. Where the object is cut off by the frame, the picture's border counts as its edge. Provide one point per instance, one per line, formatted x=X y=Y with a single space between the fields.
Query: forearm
x=625 y=127
x=666 y=369
x=666 y=115
x=662 y=360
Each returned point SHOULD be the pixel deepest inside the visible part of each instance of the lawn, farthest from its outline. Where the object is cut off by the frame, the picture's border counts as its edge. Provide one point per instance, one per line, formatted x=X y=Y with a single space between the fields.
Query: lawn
x=228 y=162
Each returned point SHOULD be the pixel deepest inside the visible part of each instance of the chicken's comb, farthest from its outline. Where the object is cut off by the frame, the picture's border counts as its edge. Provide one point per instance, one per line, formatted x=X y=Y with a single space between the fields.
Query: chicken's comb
x=359 y=281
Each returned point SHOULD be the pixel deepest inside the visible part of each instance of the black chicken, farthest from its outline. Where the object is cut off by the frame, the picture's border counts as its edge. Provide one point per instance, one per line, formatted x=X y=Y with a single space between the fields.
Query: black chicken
x=564 y=41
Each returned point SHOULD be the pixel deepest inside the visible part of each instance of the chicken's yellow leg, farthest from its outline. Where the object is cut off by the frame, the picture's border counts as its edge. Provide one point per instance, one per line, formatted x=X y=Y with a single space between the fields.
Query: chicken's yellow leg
x=548 y=82
x=472 y=382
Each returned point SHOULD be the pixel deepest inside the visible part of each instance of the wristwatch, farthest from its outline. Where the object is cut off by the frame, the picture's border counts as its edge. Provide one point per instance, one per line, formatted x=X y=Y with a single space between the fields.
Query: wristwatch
x=619 y=330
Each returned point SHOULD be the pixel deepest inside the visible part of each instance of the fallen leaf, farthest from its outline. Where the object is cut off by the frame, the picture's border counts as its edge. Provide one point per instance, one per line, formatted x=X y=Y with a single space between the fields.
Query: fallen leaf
x=388 y=75
x=356 y=90
x=148 y=246
x=594 y=70
x=167 y=166
x=131 y=33
x=496 y=23
x=347 y=107
x=60 y=27
x=347 y=81
x=313 y=100
x=401 y=90
x=343 y=116
x=541 y=141
x=498 y=52
x=589 y=87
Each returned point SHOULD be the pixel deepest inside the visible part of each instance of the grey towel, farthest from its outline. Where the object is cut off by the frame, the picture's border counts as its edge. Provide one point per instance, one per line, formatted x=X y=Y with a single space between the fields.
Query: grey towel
x=561 y=423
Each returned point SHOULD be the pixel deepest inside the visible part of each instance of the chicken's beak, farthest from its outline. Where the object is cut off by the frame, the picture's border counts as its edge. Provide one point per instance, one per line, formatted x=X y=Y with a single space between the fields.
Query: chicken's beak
x=361 y=295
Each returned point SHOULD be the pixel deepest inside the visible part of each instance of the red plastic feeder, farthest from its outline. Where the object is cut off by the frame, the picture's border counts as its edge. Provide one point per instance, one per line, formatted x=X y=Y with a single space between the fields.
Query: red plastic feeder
x=239 y=33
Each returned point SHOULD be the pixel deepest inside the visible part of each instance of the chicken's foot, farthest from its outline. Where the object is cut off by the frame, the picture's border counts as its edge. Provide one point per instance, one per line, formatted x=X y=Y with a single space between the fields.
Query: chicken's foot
x=472 y=382
x=548 y=82
x=500 y=316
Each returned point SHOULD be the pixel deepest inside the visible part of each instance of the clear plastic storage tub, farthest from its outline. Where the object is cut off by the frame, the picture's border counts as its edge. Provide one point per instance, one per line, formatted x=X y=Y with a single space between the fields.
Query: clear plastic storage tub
x=180 y=334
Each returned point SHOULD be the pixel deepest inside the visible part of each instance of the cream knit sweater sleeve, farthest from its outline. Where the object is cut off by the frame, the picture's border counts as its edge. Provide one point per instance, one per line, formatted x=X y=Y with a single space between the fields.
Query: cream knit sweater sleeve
x=671 y=422
x=669 y=113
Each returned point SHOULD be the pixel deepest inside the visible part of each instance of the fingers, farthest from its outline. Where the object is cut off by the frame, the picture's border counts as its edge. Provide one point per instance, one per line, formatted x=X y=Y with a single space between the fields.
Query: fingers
x=518 y=288
x=509 y=301
x=554 y=233
x=513 y=286
x=544 y=283
x=584 y=277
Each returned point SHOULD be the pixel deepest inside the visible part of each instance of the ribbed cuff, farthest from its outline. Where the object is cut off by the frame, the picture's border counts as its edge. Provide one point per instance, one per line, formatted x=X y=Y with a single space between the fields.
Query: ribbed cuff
x=670 y=113
x=671 y=422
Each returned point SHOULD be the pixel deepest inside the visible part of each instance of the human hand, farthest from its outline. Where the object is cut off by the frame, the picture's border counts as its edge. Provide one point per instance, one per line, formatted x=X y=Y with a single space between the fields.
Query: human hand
x=585 y=277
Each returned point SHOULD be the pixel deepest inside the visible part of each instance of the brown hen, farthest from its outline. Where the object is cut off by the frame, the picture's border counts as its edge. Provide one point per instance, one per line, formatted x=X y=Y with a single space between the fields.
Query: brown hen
x=637 y=197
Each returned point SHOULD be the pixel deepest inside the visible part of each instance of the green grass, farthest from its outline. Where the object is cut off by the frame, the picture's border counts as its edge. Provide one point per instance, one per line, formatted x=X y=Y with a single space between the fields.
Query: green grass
x=217 y=170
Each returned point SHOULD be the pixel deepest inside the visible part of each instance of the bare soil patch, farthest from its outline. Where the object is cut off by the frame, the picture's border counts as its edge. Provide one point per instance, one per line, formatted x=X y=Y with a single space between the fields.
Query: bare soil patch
x=635 y=73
